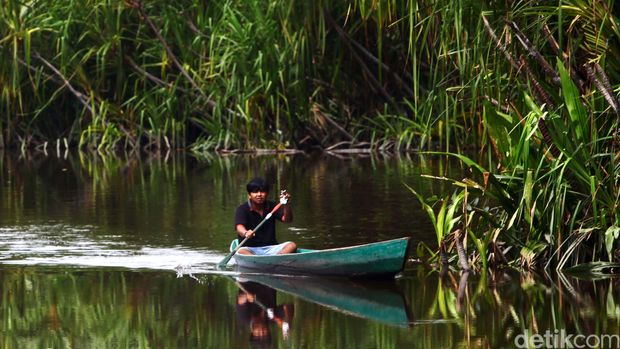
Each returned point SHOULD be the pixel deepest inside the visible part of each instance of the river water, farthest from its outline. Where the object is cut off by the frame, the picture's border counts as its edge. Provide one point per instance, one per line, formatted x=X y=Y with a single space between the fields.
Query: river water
x=120 y=252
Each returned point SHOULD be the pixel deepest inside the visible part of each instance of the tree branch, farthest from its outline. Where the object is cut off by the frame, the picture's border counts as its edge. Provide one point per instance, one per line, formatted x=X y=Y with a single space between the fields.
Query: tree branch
x=80 y=96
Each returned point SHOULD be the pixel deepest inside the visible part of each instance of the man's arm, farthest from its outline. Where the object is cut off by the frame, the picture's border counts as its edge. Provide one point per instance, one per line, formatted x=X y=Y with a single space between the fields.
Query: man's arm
x=287 y=214
x=242 y=232
x=240 y=222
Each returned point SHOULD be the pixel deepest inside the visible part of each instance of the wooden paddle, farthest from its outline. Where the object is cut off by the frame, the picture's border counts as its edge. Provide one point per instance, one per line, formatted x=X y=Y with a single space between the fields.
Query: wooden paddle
x=224 y=261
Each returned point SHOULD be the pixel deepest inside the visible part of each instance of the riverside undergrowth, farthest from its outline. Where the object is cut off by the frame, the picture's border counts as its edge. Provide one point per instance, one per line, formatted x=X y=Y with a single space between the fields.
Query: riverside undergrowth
x=530 y=87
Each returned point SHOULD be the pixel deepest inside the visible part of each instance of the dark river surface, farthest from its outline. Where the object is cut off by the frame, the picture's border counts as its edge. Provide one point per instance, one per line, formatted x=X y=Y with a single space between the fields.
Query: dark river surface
x=111 y=252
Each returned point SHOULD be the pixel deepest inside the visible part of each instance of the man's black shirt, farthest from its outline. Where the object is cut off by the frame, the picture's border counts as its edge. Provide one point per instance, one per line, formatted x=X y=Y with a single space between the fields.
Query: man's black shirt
x=266 y=235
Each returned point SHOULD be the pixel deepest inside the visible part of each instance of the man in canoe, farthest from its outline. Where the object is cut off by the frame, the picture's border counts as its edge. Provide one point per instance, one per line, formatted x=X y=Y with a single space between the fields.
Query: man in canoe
x=251 y=213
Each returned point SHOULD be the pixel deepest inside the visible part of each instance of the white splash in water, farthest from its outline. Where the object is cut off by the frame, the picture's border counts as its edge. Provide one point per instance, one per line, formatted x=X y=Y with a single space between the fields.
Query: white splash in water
x=77 y=247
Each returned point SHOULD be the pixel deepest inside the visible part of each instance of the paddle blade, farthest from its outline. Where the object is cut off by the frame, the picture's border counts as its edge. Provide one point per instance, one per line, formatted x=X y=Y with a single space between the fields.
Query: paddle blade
x=234 y=247
x=225 y=261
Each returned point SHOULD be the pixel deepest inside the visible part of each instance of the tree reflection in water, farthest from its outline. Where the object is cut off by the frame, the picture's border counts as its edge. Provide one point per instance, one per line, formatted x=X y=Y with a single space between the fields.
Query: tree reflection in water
x=492 y=309
x=94 y=308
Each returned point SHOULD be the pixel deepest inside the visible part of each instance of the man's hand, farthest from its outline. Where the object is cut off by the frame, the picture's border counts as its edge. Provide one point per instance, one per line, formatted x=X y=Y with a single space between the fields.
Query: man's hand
x=248 y=233
x=284 y=197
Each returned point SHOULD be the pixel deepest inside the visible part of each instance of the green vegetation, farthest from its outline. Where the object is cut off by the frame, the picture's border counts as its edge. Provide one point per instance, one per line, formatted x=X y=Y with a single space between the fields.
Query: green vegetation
x=206 y=76
x=549 y=178
x=532 y=86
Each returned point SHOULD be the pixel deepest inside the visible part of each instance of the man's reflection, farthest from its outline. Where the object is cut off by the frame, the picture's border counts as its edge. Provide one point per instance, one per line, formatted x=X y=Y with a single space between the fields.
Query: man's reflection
x=257 y=308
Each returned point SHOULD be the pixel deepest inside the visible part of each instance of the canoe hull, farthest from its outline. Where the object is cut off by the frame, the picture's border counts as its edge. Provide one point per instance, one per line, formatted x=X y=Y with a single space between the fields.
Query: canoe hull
x=385 y=258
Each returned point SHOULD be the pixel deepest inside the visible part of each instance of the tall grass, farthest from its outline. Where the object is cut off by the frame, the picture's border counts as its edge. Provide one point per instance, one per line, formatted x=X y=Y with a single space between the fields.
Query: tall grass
x=532 y=86
x=550 y=117
x=230 y=75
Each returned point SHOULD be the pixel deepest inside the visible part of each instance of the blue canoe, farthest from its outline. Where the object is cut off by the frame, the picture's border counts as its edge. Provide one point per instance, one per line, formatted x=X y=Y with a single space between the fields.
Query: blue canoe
x=379 y=259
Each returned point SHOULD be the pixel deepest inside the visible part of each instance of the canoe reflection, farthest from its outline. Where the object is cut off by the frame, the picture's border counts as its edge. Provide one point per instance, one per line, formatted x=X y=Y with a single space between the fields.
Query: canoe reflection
x=377 y=301
x=257 y=308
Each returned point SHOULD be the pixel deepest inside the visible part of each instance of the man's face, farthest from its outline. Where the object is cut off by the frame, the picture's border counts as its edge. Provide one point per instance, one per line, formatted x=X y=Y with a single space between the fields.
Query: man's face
x=258 y=197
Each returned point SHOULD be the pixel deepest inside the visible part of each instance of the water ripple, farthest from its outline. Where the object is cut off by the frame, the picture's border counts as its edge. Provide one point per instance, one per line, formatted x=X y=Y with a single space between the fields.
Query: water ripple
x=62 y=245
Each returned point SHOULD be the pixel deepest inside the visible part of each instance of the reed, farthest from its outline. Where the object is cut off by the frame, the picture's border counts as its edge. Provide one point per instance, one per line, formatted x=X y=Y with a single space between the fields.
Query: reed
x=553 y=182
x=132 y=74
x=531 y=85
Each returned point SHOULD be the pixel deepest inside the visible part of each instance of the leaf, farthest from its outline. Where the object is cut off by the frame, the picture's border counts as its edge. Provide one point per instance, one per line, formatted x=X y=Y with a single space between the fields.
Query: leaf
x=611 y=235
x=532 y=250
x=528 y=188
x=428 y=209
x=572 y=100
x=499 y=192
x=498 y=126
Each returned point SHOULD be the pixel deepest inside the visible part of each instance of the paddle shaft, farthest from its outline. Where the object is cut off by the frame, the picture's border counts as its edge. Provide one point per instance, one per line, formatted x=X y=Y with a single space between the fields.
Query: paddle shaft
x=232 y=253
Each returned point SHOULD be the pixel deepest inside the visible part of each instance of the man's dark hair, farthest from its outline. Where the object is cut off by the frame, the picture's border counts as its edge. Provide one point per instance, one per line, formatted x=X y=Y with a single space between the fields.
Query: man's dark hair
x=257 y=184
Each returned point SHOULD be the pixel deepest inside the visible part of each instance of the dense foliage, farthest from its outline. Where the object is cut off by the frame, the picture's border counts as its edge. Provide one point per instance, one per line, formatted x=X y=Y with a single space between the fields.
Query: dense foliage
x=533 y=85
